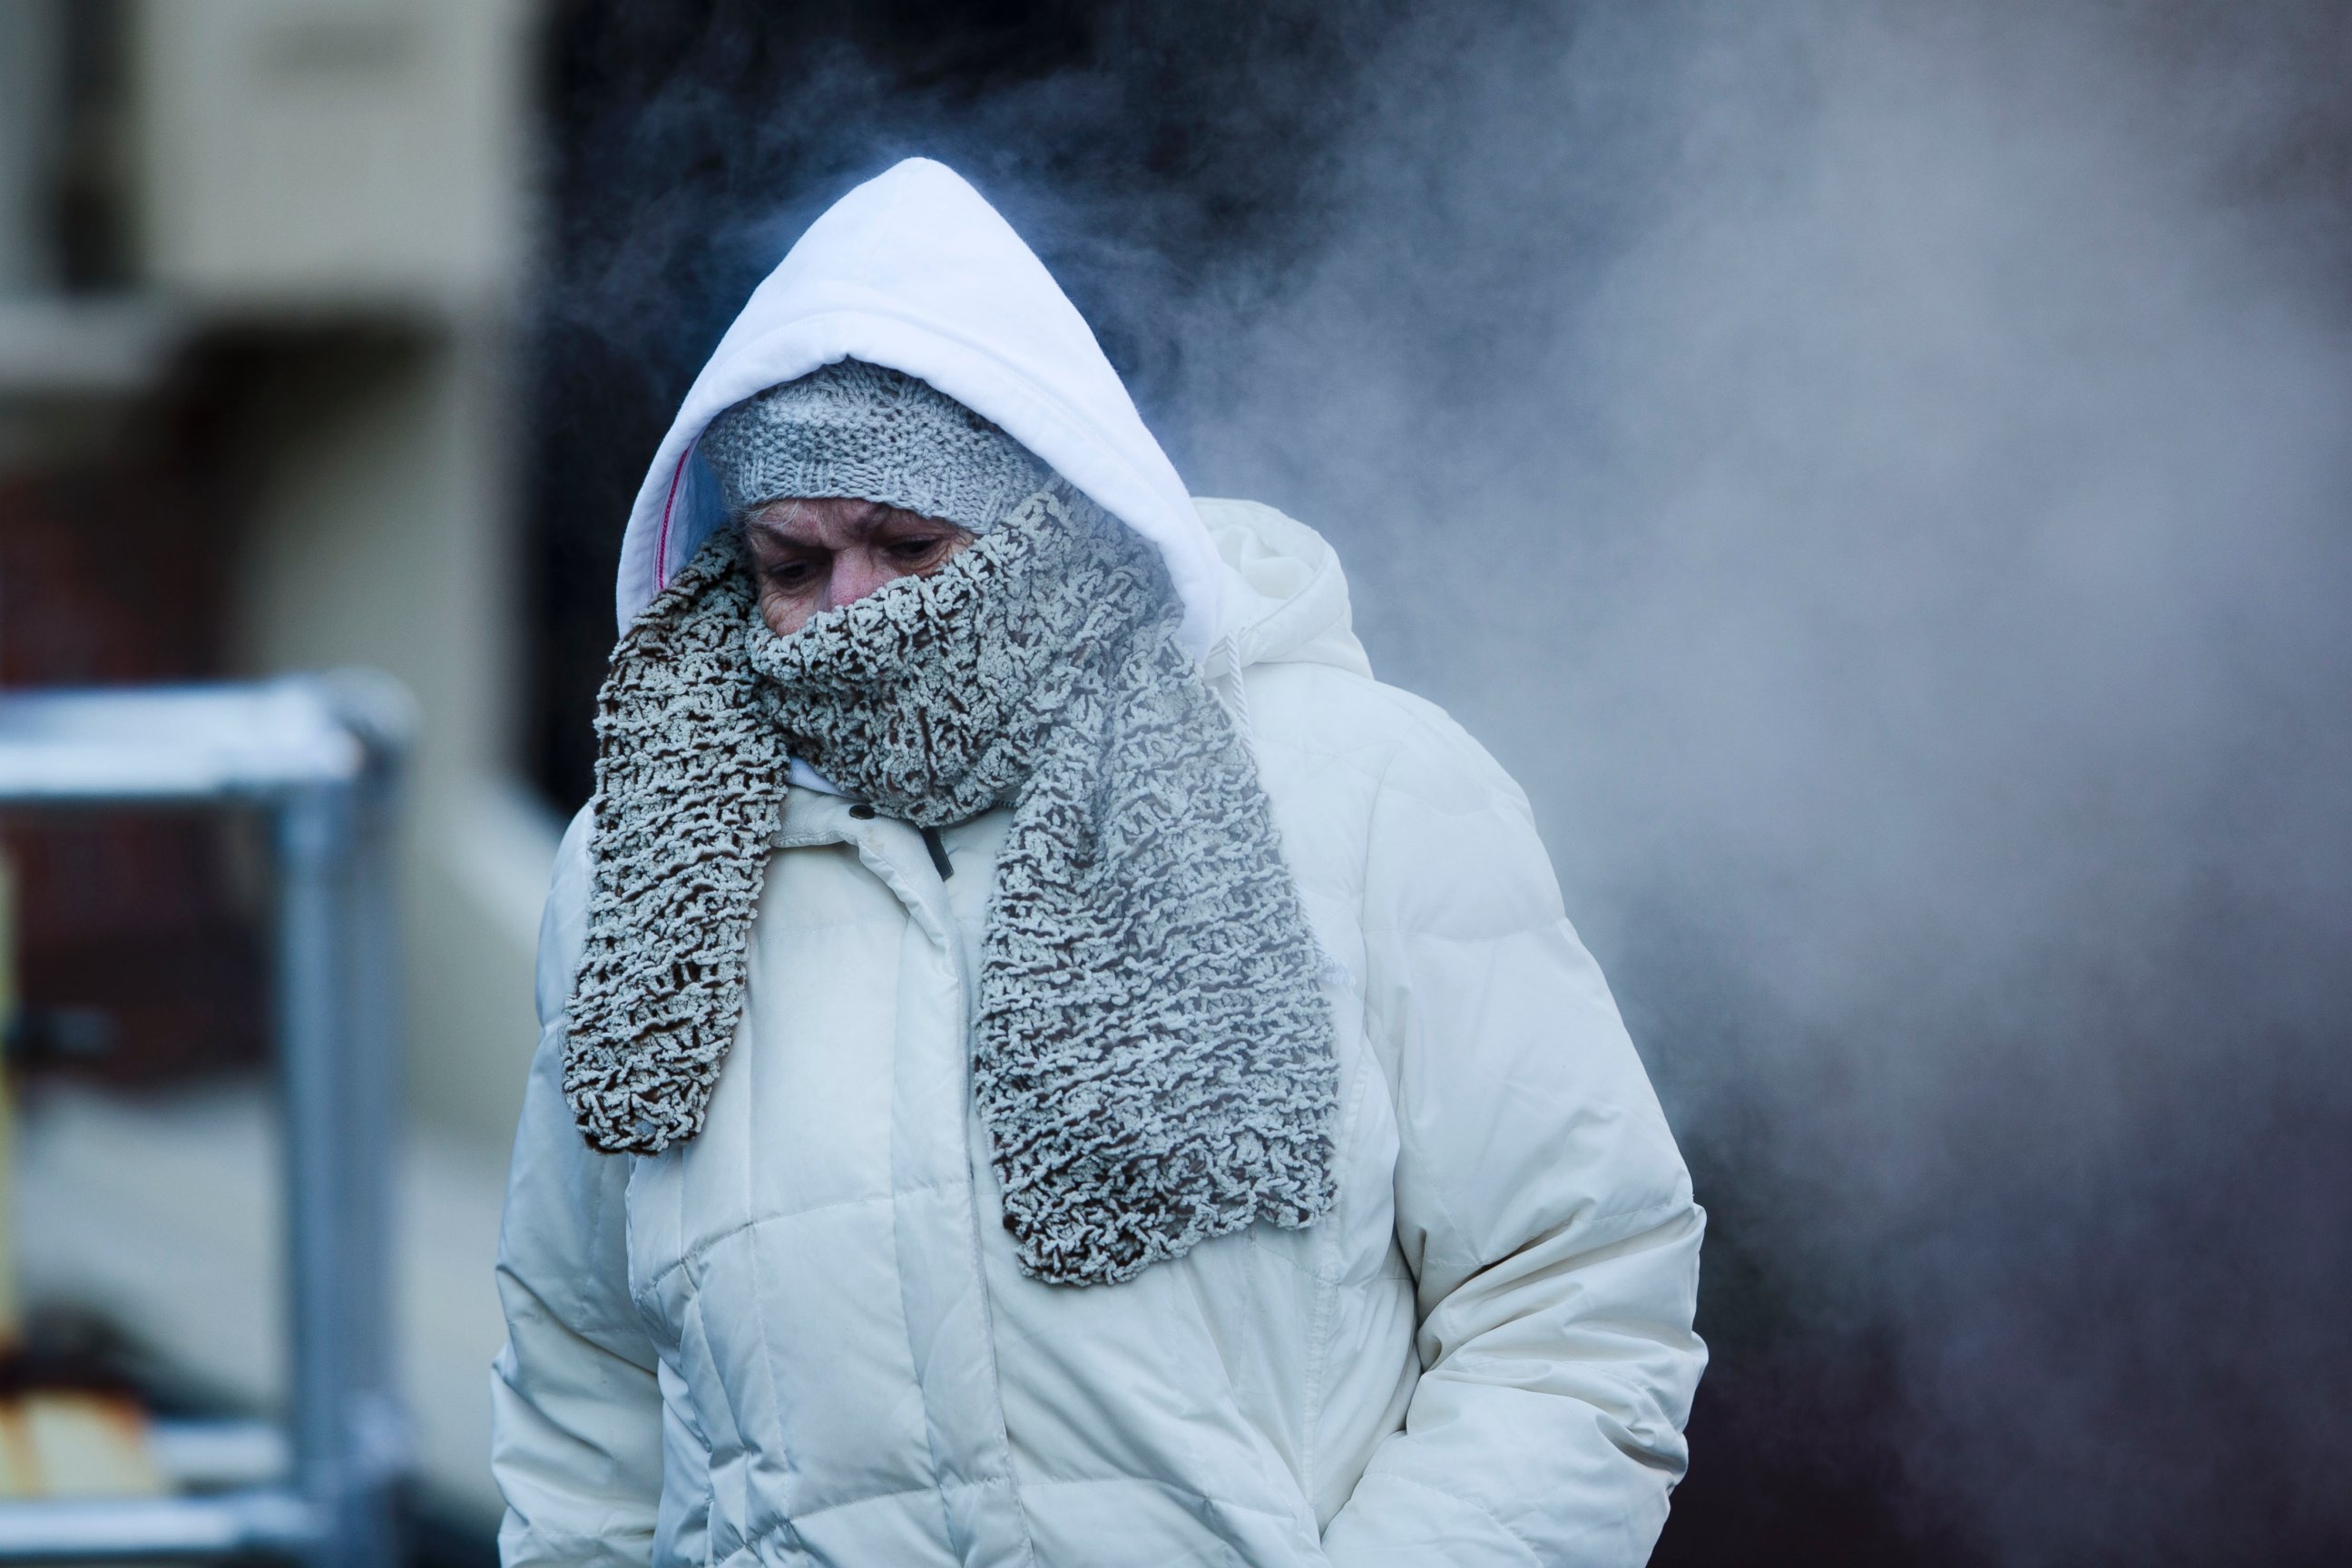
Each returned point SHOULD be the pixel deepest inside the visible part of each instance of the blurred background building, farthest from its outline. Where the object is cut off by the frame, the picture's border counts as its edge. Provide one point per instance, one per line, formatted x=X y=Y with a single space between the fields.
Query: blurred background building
x=259 y=267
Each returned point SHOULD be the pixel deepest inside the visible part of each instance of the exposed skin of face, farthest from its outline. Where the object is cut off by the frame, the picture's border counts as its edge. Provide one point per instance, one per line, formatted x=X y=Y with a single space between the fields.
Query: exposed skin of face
x=811 y=555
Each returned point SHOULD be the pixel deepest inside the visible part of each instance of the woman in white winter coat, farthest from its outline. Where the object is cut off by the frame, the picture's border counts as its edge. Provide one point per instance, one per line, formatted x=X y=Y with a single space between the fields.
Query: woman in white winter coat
x=1045 y=1060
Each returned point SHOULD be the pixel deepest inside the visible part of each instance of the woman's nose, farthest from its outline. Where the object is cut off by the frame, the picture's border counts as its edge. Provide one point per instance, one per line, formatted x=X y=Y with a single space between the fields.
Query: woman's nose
x=855 y=574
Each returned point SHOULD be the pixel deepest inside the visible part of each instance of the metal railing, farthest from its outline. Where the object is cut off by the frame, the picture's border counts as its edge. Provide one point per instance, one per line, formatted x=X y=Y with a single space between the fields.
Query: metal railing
x=320 y=756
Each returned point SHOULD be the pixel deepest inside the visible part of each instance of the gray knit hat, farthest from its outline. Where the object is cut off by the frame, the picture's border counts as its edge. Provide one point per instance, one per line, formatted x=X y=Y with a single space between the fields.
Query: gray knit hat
x=861 y=430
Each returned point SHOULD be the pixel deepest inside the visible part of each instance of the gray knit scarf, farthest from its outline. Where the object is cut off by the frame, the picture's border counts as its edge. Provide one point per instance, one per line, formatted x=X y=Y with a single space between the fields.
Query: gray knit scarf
x=1153 y=1058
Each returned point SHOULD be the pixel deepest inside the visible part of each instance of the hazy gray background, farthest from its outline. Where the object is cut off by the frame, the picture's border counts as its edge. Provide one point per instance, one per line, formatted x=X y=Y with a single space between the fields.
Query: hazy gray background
x=1879 y=475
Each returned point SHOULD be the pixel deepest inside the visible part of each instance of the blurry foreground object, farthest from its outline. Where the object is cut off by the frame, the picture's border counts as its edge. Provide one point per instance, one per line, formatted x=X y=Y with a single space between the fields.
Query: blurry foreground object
x=73 y=1445
x=316 y=757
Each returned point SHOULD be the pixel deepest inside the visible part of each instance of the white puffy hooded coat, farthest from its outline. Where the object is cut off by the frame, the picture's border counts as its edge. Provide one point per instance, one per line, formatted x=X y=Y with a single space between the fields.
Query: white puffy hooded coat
x=802 y=1337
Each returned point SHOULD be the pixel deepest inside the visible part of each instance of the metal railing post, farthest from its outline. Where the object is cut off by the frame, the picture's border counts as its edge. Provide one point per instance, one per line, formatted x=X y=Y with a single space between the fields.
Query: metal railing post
x=372 y=1094
x=344 y=1456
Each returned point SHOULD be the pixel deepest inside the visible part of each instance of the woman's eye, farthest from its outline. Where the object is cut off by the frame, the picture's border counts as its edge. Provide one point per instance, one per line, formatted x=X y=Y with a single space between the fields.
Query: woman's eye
x=791 y=575
x=912 y=548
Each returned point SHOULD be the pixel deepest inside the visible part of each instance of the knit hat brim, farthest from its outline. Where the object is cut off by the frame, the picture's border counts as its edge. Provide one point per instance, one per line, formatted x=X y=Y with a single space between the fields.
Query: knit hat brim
x=865 y=432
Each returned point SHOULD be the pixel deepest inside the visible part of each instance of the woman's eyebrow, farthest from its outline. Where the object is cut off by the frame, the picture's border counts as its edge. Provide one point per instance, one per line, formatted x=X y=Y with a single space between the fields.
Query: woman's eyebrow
x=776 y=532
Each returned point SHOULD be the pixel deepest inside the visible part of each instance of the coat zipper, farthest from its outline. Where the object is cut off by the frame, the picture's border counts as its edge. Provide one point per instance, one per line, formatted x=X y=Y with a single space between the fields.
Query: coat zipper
x=940 y=861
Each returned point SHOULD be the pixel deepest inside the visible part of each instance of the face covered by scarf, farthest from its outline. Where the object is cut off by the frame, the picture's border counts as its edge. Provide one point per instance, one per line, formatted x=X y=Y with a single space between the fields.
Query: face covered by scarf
x=1153 y=1057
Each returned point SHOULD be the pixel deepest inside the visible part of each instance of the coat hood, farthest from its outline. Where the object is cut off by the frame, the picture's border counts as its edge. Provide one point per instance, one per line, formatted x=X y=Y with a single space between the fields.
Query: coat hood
x=914 y=270
x=1285 y=598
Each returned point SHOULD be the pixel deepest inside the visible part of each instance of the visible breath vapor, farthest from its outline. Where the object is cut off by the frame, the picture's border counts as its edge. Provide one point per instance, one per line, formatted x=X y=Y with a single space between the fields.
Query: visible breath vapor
x=1878 y=474
x=1879 y=478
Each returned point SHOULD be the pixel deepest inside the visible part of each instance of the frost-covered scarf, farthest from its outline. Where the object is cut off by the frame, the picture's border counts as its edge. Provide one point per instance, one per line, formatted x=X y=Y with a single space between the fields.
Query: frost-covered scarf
x=1153 y=1057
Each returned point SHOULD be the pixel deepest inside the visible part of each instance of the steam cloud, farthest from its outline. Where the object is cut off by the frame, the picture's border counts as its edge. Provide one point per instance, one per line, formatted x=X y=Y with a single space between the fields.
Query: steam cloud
x=1878 y=475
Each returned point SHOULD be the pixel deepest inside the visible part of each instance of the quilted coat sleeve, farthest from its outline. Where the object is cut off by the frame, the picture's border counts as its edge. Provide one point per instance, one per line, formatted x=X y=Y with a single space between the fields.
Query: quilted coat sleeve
x=1541 y=1203
x=576 y=1422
